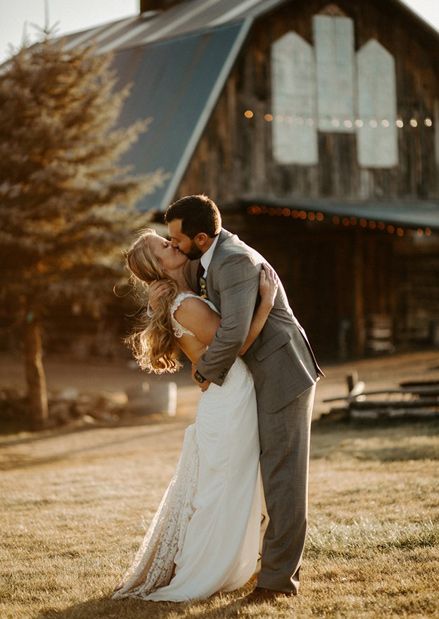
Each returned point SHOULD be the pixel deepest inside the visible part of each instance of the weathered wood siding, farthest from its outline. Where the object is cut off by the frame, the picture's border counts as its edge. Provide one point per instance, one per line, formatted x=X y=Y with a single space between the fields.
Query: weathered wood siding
x=235 y=154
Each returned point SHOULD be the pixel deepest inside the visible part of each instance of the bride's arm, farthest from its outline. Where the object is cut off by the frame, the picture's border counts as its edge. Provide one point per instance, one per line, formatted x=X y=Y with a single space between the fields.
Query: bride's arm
x=195 y=315
x=267 y=289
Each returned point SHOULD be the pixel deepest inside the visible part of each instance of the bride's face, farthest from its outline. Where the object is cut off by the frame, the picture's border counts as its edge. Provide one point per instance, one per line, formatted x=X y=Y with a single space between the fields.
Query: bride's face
x=169 y=257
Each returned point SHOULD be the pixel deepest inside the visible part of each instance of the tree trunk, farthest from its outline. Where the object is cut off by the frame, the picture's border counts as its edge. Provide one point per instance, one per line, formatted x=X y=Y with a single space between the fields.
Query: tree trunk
x=35 y=375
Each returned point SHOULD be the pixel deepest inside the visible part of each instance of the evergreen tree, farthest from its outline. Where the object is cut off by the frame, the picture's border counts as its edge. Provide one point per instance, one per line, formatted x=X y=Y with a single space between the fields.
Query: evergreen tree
x=67 y=208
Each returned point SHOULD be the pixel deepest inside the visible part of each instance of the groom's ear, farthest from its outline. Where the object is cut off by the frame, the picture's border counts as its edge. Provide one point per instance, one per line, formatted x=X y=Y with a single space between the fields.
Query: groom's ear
x=201 y=239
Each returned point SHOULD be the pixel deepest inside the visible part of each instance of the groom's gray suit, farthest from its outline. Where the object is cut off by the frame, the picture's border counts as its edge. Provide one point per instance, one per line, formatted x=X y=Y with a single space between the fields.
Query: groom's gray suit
x=285 y=372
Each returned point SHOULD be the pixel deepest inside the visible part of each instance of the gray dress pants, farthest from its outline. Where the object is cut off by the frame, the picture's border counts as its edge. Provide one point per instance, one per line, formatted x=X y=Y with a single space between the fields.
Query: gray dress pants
x=285 y=440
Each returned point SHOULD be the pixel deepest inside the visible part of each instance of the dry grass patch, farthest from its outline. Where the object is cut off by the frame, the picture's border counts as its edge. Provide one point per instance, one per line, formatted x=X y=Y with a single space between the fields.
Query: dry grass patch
x=74 y=506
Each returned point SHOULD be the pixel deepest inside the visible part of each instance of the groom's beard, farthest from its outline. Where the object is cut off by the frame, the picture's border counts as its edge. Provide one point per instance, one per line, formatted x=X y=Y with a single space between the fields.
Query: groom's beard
x=194 y=253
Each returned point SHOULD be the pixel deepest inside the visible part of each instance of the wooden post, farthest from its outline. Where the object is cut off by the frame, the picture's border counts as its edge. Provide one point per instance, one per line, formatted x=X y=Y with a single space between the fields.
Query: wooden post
x=358 y=292
x=351 y=380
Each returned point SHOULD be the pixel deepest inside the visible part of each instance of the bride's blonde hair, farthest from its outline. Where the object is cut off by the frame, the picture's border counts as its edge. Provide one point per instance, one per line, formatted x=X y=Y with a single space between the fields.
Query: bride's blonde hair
x=153 y=342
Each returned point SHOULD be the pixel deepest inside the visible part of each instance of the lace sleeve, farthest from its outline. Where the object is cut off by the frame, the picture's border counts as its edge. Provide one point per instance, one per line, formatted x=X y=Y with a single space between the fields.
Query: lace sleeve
x=178 y=329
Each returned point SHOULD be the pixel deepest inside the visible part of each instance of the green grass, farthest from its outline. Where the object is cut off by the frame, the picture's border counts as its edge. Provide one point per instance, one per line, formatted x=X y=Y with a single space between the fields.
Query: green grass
x=74 y=508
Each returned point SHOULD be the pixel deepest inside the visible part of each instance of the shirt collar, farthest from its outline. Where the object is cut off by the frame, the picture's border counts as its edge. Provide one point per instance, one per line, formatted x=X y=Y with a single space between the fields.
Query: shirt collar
x=206 y=258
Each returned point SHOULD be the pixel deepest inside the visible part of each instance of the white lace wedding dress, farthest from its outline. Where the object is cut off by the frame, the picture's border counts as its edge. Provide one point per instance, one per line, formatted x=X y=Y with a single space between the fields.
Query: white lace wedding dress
x=204 y=537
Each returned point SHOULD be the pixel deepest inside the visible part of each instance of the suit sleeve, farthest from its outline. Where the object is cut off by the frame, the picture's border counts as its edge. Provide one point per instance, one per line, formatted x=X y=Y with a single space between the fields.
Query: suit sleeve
x=238 y=286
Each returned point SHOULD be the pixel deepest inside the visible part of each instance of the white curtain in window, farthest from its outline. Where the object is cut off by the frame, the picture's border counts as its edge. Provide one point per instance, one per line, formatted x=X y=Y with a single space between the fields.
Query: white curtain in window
x=377 y=139
x=293 y=101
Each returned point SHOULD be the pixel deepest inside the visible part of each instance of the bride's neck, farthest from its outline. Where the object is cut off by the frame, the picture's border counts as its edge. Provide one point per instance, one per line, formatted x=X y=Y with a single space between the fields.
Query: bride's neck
x=178 y=276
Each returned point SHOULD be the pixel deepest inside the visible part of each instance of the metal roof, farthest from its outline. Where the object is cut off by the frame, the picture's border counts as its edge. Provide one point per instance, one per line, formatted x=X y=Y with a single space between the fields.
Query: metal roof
x=400 y=212
x=153 y=26
x=176 y=84
x=177 y=61
x=189 y=16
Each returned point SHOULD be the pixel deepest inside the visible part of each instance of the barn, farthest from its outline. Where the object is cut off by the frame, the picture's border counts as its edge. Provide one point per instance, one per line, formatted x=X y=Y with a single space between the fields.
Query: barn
x=315 y=128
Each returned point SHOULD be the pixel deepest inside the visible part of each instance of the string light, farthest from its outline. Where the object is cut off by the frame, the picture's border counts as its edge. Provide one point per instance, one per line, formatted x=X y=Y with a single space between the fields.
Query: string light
x=337 y=122
x=345 y=221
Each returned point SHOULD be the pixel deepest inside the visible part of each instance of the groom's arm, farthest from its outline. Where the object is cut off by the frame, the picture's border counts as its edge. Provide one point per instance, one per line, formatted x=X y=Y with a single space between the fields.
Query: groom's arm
x=238 y=286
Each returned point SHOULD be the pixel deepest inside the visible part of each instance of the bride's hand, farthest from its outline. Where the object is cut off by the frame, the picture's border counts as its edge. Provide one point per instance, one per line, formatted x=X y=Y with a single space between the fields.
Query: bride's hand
x=268 y=285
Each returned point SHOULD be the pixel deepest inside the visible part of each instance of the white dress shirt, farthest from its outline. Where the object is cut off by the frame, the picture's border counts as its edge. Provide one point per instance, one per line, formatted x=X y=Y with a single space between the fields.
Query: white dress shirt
x=206 y=258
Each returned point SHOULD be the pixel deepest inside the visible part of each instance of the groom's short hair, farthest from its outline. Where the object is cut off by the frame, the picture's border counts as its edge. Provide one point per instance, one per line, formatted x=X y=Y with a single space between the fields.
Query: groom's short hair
x=198 y=213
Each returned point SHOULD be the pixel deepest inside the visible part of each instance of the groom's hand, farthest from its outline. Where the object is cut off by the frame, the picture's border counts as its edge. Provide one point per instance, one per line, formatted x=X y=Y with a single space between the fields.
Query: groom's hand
x=155 y=291
x=203 y=386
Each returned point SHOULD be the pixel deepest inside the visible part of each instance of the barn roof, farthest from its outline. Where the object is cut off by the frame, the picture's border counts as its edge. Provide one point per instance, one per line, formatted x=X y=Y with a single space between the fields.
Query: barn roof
x=176 y=84
x=178 y=61
x=186 y=17
x=190 y=16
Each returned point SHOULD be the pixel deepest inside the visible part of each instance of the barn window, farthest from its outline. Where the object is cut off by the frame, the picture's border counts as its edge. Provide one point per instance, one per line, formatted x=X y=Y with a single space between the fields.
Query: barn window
x=293 y=101
x=335 y=71
x=377 y=140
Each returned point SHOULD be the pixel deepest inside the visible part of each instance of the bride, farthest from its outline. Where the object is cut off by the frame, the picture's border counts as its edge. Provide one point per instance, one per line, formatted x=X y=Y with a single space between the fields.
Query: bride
x=204 y=537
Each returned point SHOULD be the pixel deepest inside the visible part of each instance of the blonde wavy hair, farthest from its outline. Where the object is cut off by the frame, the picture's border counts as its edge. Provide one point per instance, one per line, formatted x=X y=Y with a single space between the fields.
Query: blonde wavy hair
x=153 y=343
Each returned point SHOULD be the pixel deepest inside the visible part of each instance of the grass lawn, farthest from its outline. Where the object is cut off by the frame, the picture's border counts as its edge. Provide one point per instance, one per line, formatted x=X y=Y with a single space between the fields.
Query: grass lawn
x=75 y=504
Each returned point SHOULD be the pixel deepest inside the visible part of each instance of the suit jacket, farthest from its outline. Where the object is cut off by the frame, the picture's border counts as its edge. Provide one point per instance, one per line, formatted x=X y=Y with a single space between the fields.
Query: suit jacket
x=281 y=360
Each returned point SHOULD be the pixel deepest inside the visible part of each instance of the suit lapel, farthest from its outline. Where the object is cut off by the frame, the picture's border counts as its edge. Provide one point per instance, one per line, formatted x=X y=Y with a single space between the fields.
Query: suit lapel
x=223 y=236
x=191 y=267
x=216 y=260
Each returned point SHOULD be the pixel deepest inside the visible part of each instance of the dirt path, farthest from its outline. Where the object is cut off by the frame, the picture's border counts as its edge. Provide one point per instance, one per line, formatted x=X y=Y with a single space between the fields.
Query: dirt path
x=96 y=375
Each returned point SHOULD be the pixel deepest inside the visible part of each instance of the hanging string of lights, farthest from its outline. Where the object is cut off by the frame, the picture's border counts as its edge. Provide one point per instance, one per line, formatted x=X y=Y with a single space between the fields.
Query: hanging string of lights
x=337 y=220
x=343 y=122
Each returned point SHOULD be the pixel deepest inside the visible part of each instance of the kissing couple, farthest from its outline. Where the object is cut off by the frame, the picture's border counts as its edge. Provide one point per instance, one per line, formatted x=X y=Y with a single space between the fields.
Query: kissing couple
x=217 y=300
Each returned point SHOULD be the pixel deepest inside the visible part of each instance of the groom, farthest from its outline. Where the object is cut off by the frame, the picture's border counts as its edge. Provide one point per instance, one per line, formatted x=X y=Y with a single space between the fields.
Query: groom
x=284 y=370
